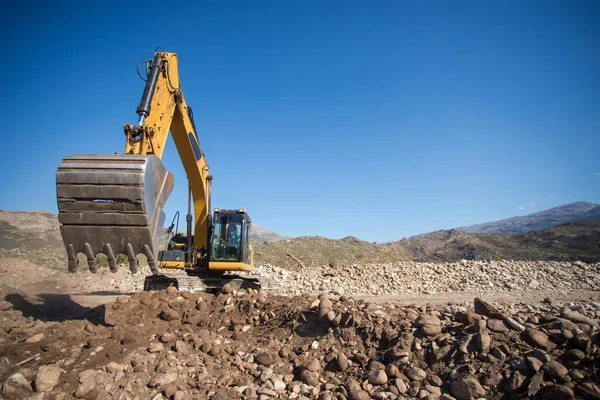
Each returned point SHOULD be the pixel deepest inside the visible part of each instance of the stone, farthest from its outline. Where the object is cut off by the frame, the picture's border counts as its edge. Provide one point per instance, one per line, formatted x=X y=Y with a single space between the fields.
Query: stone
x=163 y=379
x=373 y=365
x=472 y=317
x=577 y=374
x=311 y=364
x=215 y=351
x=113 y=367
x=576 y=317
x=555 y=369
x=378 y=377
x=415 y=374
x=588 y=391
x=535 y=338
x=464 y=344
x=400 y=385
x=497 y=325
x=170 y=390
x=338 y=290
x=155 y=347
x=425 y=319
x=555 y=392
x=266 y=392
x=47 y=377
x=266 y=374
x=541 y=355
x=574 y=355
x=171 y=290
x=482 y=307
x=325 y=306
x=581 y=340
x=467 y=388
x=392 y=371
x=435 y=380
x=514 y=325
x=35 y=338
x=479 y=326
x=534 y=363
x=355 y=392
x=483 y=341
x=267 y=358
x=167 y=337
x=279 y=386
x=5 y=305
x=16 y=387
x=169 y=315
x=179 y=395
x=535 y=383
x=87 y=385
x=513 y=383
x=5 y=365
x=227 y=288
x=342 y=361
x=492 y=379
x=182 y=347
x=36 y=396
x=431 y=329
x=309 y=377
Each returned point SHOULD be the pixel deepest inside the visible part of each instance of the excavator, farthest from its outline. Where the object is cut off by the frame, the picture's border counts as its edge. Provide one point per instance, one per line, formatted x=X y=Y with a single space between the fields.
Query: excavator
x=111 y=204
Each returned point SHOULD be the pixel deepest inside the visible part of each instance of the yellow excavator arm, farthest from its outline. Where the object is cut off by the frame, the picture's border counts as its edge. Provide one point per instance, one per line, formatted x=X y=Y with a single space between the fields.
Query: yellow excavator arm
x=163 y=109
x=112 y=204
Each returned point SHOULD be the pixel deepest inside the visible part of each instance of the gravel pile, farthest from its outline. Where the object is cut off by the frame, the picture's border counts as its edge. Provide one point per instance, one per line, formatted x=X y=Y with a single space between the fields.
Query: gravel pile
x=430 y=278
x=245 y=345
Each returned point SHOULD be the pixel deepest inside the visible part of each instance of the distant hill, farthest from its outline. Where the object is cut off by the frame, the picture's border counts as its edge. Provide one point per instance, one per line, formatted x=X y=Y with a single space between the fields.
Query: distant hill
x=260 y=234
x=540 y=220
x=576 y=240
x=35 y=236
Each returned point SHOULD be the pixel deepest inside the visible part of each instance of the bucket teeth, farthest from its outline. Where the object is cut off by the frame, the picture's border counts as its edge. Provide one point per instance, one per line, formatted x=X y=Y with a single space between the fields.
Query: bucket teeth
x=112 y=260
x=133 y=265
x=91 y=258
x=111 y=204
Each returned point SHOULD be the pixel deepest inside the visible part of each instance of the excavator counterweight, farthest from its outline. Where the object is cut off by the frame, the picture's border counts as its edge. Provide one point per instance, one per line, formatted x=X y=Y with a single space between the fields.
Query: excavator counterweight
x=111 y=204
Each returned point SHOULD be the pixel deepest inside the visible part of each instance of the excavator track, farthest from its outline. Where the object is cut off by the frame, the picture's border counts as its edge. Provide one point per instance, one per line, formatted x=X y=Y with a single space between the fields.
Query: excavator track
x=208 y=282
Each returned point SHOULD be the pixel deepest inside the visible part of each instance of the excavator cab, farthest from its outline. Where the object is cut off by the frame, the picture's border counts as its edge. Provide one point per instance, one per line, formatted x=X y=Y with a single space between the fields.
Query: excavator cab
x=230 y=237
x=229 y=244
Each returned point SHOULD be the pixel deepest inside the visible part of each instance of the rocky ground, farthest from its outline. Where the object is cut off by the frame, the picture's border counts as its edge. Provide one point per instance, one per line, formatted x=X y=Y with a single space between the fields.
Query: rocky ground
x=431 y=278
x=243 y=344
x=385 y=331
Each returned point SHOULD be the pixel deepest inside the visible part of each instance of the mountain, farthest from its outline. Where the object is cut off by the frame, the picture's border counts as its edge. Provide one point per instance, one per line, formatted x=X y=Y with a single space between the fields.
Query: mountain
x=35 y=236
x=540 y=220
x=260 y=234
x=572 y=241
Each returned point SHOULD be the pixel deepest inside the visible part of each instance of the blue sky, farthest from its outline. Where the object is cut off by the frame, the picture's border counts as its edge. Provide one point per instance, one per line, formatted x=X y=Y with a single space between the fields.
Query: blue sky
x=374 y=119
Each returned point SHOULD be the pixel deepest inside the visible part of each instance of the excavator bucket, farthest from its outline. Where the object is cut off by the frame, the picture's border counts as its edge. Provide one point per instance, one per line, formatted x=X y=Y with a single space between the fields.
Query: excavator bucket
x=111 y=204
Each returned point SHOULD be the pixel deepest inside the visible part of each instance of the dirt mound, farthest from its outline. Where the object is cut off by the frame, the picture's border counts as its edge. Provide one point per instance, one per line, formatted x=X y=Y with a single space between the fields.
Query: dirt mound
x=316 y=251
x=243 y=344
